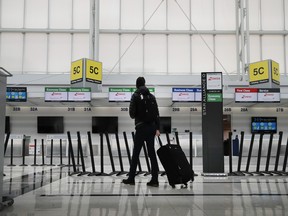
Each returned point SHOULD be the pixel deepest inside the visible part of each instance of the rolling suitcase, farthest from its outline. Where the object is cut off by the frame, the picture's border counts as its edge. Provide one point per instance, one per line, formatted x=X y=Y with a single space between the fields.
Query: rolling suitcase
x=176 y=165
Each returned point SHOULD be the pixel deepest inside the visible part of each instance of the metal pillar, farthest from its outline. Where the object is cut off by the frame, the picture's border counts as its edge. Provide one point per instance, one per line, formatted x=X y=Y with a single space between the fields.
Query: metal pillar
x=242 y=38
x=94 y=30
x=3 y=80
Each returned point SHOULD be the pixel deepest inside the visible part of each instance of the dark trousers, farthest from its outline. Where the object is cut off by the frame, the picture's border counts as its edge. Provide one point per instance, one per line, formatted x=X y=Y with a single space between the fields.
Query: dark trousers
x=144 y=133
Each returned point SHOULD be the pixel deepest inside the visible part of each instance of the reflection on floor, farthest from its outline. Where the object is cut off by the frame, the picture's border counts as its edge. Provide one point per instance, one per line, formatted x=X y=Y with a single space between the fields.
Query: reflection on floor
x=51 y=191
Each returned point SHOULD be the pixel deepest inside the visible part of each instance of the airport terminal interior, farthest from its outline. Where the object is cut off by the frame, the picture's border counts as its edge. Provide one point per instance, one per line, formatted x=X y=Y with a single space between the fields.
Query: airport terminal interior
x=218 y=70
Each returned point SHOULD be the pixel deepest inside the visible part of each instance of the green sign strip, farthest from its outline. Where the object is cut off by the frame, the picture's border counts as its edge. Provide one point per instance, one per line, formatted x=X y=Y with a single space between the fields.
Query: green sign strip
x=53 y=89
x=214 y=97
x=128 y=89
x=79 y=89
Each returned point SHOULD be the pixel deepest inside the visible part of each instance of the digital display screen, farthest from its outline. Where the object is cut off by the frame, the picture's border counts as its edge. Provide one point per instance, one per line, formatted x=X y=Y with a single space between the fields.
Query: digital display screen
x=104 y=124
x=16 y=94
x=165 y=124
x=50 y=124
x=263 y=125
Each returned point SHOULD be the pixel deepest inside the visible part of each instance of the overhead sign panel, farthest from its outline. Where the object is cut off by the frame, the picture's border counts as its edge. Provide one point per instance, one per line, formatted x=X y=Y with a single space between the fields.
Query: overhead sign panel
x=67 y=94
x=269 y=95
x=246 y=95
x=93 y=71
x=183 y=95
x=259 y=72
x=56 y=94
x=76 y=73
x=79 y=94
x=275 y=72
x=120 y=94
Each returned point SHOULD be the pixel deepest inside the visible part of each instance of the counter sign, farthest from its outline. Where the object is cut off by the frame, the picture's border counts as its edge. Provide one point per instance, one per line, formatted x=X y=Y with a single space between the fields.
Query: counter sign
x=76 y=73
x=259 y=72
x=93 y=71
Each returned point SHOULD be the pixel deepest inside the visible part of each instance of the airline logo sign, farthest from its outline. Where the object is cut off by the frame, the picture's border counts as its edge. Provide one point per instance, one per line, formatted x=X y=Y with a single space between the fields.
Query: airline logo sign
x=120 y=94
x=183 y=94
x=76 y=73
x=269 y=95
x=93 y=71
x=275 y=72
x=214 y=81
x=259 y=72
x=246 y=95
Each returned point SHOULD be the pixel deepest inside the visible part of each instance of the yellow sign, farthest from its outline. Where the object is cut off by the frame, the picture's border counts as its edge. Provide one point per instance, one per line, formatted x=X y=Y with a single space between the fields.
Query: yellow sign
x=93 y=71
x=275 y=72
x=76 y=73
x=259 y=72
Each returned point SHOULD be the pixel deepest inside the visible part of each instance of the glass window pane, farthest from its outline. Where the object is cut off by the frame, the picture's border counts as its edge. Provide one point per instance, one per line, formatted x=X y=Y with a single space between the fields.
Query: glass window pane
x=254 y=14
x=179 y=54
x=225 y=51
x=286 y=15
x=155 y=54
x=81 y=14
x=59 y=56
x=131 y=14
x=12 y=12
x=286 y=60
x=177 y=20
x=11 y=51
x=272 y=14
x=109 y=52
x=35 y=53
x=132 y=60
x=202 y=58
x=80 y=46
x=202 y=14
x=158 y=20
x=273 y=48
x=255 y=49
x=109 y=14
x=225 y=15
x=60 y=14
x=36 y=14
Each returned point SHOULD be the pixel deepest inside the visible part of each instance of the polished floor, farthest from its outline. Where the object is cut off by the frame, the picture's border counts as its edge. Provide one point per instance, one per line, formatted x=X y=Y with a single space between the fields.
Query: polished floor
x=50 y=190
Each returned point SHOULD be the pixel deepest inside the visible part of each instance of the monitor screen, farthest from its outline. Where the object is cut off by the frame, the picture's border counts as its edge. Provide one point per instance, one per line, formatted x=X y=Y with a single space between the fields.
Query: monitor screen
x=165 y=124
x=50 y=124
x=7 y=124
x=104 y=124
x=263 y=125
x=16 y=94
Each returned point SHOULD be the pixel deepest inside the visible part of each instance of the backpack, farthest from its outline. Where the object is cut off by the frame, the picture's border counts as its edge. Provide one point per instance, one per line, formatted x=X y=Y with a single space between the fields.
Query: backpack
x=147 y=109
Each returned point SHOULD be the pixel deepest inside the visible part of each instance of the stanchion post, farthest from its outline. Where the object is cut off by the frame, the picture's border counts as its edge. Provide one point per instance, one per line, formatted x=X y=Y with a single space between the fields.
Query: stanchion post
x=250 y=152
x=278 y=151
x=35 y=146
x=51 y=153
x=23 y=152
x=240 y=151
x=11 y=154
x=42 y=148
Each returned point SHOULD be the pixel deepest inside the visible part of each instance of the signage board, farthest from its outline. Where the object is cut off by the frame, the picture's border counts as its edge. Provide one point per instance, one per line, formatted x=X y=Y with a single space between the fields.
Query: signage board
x=16 y=94
x=120 y=94
x=246 y=95
x=56 y=94
x=183 y=95
x=79 y=94
x=271 y=95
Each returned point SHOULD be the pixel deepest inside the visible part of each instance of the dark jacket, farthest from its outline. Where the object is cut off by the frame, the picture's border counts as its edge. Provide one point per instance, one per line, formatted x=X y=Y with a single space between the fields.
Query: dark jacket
x=135 y=102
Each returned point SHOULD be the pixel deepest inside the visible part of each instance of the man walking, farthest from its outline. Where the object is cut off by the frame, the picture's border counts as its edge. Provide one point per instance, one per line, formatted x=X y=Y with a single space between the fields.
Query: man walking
x=144 y=109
